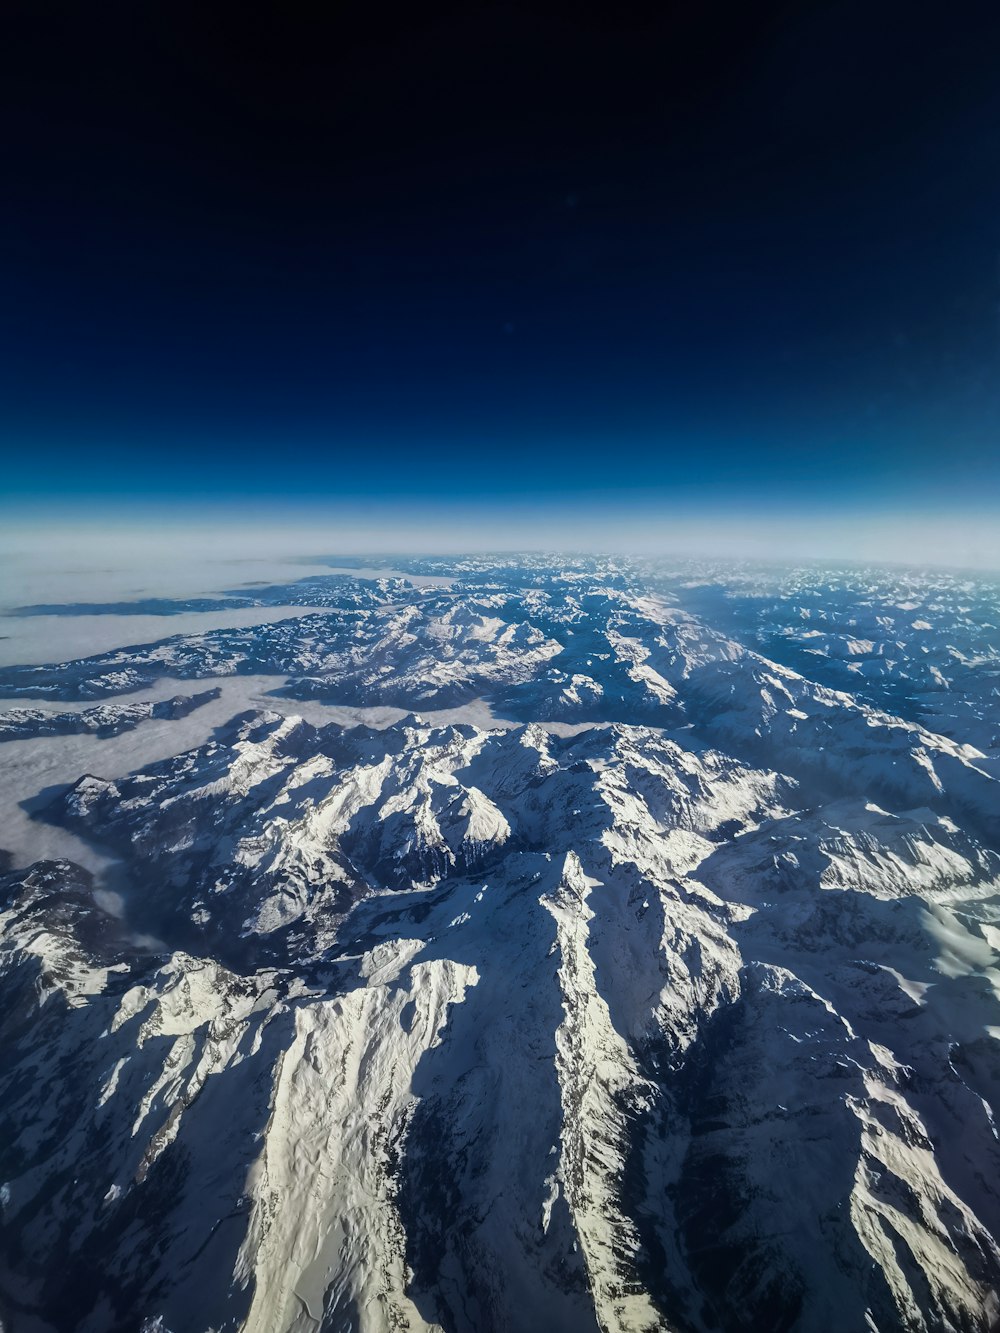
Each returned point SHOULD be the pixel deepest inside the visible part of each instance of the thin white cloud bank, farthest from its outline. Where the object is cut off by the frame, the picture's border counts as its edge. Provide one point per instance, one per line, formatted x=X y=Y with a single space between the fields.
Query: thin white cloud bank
x=134 y=551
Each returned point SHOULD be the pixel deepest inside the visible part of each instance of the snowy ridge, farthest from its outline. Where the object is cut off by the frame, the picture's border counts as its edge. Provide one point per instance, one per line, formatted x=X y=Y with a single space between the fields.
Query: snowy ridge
x=104 y=720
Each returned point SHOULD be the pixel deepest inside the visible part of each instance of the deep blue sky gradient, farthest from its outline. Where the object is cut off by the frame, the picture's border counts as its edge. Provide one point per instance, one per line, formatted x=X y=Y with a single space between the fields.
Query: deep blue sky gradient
x=502 y=250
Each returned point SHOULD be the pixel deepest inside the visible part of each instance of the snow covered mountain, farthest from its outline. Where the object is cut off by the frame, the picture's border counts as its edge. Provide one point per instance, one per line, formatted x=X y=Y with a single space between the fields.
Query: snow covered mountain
x=669 y=1000
x=104 y=720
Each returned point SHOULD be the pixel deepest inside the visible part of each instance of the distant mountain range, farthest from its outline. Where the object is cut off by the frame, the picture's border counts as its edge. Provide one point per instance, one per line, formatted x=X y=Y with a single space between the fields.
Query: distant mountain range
x=671 y=1002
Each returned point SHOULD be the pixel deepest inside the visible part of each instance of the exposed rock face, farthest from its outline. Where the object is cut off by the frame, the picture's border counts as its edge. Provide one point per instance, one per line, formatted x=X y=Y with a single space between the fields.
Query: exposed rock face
x=686 y=1026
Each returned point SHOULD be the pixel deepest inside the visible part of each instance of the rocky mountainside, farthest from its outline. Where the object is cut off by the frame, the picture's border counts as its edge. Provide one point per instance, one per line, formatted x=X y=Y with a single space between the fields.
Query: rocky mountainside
x=673 y=1007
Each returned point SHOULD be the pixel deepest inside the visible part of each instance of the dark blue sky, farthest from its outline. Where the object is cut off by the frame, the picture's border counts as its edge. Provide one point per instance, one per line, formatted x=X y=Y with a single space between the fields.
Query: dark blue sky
x=712 y=254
